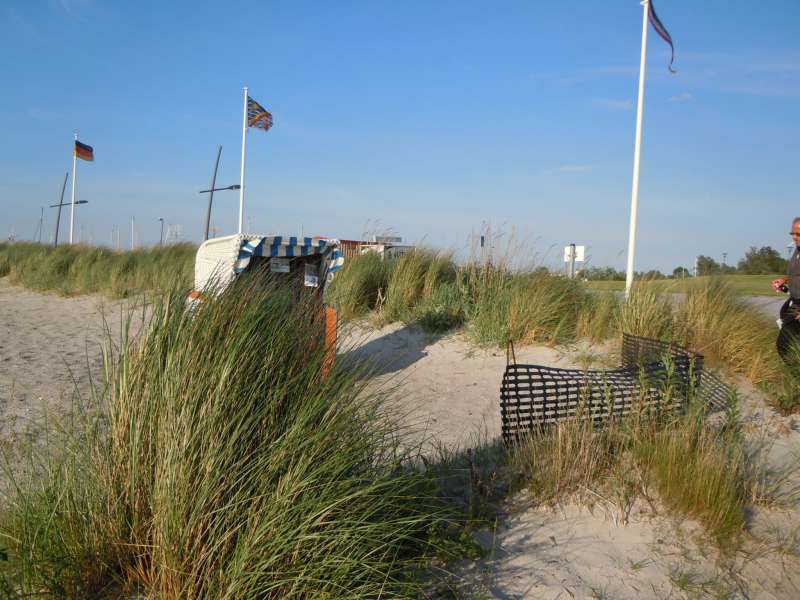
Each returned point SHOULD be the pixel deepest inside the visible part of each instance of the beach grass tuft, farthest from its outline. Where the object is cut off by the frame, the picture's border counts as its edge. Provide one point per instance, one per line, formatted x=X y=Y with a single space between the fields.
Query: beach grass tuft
x=79 y=269
x=224 y=465
x=696 y=468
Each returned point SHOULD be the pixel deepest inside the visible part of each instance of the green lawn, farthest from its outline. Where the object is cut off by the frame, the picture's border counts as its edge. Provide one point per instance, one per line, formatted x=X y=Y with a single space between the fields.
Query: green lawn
x=747 y=285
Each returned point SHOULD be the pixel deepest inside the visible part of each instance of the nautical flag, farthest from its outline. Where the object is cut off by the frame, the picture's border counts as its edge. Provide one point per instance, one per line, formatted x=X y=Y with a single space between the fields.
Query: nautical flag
x=661 y=30
x=257 y=115
x=83 y=151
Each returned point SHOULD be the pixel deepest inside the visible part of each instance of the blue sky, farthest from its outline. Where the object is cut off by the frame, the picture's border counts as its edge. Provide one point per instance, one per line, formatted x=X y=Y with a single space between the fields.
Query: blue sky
x=423 y=118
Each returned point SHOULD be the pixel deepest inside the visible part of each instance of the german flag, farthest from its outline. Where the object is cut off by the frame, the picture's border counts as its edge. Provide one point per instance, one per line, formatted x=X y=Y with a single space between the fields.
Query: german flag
x=83 y=151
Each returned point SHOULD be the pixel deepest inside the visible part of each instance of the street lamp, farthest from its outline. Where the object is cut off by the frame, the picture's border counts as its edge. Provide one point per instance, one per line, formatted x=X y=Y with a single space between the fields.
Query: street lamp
x=70 y=203
x=211 y=197
x=58 y=219
x=230 y=187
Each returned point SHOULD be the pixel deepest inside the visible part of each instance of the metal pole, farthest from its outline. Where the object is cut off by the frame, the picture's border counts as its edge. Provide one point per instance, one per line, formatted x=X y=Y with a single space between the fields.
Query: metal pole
x=41 y=223
x=74 y=179
x=241 y=174
x=637 y=153
x=60 y=204
x=161 y=240
x=211 y=193
x=572 y=261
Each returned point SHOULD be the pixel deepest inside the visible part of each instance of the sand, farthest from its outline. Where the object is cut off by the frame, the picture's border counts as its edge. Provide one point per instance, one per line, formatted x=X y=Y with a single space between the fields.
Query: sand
x=50 y=351
x=446 y=388
x=448 y=391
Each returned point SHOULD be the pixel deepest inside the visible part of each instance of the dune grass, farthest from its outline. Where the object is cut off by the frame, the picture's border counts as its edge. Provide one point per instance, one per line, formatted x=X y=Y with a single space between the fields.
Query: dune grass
x=496 y=305
x=79 y=269
x=714 y=320
x=360 y=285
x=745 y=285
x=413 y=279
x=717 y=323
x=224 y=465
x=430 y=289
x=694 y=467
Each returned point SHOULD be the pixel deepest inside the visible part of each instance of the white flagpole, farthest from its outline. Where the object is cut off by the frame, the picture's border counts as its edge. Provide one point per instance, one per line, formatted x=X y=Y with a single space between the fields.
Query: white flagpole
x=74 y=178
x=241 y=175
x=637 y=153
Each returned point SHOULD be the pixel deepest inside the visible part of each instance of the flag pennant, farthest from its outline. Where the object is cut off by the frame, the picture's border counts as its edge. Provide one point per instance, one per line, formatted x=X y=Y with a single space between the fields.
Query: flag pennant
x=83 y=151
x=662 y=31
x=257 y=115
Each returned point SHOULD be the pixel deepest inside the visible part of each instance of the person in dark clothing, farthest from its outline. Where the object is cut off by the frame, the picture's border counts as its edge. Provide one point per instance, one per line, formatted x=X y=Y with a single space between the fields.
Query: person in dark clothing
x=790 y=311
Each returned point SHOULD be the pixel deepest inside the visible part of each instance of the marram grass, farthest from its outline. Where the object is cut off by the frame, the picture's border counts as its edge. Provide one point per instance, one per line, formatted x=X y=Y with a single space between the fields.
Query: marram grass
x=695 y=468
x=224 y=466
x=78 y=269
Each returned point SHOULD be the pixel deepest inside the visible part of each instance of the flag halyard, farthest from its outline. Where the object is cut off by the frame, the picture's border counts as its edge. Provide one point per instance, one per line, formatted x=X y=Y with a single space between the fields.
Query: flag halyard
x=661 y=31
x=84 y=151
x=257 y=115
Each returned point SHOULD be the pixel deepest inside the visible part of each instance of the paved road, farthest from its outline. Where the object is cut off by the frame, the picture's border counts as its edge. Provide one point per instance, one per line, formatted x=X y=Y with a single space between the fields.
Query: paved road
x=768 y=305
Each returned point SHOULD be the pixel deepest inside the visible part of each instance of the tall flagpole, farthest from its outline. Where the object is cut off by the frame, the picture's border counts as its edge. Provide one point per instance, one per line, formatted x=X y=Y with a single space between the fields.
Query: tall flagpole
x=74 y=178
x=637 y=153
x=241 y=175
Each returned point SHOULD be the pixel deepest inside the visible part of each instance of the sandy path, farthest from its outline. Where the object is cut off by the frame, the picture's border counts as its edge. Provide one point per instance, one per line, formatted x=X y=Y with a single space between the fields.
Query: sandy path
x=46 y=343
x=447 y=389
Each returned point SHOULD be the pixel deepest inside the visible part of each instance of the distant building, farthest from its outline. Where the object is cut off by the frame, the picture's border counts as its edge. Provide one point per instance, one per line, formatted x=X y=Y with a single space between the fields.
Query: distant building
x=351 y=248
x=387 y=246
x=384 y=245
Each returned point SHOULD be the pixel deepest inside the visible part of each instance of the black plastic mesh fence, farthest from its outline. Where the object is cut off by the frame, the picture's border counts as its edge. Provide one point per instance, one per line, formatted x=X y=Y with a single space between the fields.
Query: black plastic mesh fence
x=637 y=350
x=655 y=376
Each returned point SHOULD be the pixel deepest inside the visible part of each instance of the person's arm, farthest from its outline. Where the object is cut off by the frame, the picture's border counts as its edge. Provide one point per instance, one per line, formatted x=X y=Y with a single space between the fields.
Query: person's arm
x=779 y=282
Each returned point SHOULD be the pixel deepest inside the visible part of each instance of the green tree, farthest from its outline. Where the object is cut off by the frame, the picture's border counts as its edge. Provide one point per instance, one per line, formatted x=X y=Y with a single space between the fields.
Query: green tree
x=762 y=261
x=707 y=266
x=680 y=272
x=603 y=274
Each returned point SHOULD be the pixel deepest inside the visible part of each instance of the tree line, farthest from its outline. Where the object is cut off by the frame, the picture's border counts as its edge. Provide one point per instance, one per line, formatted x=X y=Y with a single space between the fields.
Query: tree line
x=757 y=261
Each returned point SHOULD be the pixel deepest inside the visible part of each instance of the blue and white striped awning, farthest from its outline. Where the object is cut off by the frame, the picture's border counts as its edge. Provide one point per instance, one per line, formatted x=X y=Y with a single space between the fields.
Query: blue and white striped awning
x=278 y=246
